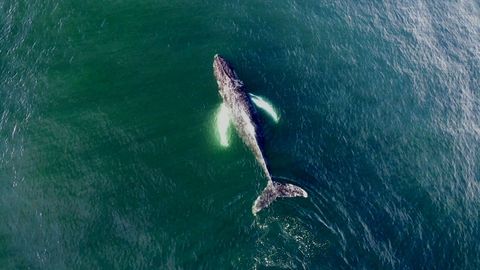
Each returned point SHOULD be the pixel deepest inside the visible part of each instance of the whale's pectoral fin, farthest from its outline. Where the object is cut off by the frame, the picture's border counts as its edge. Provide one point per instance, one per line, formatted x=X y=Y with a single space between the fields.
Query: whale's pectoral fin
x=265 y=106
x=223 y=124
x=275 y=190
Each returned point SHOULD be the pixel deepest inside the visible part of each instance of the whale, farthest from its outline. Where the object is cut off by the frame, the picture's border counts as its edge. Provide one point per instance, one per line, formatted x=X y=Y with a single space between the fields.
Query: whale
x=242 y=114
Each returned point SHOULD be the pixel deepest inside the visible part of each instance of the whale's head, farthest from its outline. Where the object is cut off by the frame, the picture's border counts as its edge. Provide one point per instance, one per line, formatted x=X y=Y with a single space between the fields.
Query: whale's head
x=226 y=77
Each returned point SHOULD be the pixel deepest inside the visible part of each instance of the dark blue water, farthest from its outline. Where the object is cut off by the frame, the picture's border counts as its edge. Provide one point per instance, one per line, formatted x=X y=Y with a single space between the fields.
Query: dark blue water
x=109 y=156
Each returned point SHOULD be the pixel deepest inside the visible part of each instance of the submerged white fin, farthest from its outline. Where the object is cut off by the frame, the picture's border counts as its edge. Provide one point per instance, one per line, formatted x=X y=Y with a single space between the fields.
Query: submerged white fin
x=265 y=106
x=275 y=190
x=223 y=124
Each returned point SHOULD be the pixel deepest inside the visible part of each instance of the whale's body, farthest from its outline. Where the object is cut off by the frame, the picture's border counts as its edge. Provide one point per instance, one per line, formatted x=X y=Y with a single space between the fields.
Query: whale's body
x=243 y=115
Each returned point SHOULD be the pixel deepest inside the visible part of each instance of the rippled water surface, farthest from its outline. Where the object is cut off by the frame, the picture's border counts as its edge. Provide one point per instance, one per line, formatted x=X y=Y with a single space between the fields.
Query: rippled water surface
x=109 y=156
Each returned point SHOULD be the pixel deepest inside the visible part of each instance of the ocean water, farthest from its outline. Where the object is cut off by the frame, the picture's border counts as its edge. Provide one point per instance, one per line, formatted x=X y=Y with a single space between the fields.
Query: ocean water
x=110 y=159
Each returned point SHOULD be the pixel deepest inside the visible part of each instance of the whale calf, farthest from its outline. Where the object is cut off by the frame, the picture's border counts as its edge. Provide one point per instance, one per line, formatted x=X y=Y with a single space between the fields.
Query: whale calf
x=242 y=113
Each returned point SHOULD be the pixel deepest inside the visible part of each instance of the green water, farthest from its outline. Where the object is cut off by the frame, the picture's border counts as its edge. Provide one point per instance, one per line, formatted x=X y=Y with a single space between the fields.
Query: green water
x=110 y=157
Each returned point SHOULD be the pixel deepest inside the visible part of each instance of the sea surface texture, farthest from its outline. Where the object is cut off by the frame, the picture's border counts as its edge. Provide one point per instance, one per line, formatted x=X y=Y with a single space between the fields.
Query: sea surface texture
x=110 y=157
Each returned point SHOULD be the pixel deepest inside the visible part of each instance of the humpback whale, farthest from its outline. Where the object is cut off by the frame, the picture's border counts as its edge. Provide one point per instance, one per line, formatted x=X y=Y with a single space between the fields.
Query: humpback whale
x=242 y=113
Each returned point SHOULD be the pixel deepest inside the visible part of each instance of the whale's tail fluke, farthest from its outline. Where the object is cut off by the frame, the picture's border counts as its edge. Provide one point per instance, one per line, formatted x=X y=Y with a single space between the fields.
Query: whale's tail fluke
x=275 y=190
